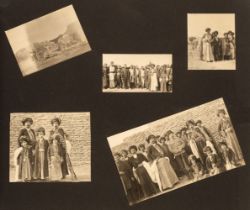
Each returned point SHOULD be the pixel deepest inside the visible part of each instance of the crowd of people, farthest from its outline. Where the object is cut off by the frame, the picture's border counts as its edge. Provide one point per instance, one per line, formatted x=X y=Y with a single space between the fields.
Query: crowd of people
x=192 y=153
x=38 y=159
x=150 y=77
x=213 y=48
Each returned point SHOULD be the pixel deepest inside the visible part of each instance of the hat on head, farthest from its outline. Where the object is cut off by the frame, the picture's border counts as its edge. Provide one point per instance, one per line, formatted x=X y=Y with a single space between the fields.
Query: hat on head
x=208 y=29
x=221 y=111
x=56 y=119
x=28 y=119
x=23 y=139
x=207 y=149
x=41 y=129
x=190 y=122
x=167 y=134
x=132 y=147
x=198 y=121
x=230 y=32
x=151 y=136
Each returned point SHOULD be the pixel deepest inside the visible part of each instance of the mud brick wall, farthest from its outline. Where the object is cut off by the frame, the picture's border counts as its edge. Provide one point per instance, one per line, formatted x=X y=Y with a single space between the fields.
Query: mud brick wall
x=207 y=113
x=76 y=125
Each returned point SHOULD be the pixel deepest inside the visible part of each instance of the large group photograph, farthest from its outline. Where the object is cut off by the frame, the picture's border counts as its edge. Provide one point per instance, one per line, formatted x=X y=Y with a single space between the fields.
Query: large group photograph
x=50 y=147
x=137 y=73
x=211 y=42
x=175 y=151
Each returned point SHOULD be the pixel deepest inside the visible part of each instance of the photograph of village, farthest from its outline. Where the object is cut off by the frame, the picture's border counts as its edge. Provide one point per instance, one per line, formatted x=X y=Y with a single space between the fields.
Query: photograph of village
x=48 y=40
x=211 y=41
x=176 y=151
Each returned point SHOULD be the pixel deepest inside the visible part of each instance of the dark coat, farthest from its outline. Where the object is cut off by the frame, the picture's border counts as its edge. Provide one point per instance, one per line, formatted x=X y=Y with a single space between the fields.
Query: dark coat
x=37 y=164
x=24 y=132
x=153 y=153
x=214 y=160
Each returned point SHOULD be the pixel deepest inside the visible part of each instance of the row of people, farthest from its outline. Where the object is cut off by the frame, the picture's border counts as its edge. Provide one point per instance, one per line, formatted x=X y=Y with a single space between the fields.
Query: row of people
x=151 y=77
x=165 y=160
x=213 y=48
x=37 y=158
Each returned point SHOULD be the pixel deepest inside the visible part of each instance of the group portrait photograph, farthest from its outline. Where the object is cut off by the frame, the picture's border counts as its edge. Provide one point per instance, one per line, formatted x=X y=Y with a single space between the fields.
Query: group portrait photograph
x=211 y=41
x=137 y=73
x=50 y=147
x=176 y=151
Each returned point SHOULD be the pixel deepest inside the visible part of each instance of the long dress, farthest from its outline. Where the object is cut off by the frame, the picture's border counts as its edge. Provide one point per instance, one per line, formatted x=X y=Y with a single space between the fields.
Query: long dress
x=54 y=155
x=144 y=179
x=41 y=170
x=112 y=77
x=154 y=81
x=62 y=144
x=25 y=168
x=206 y=48
x=105 y=82
x=167 y=174
x=231 y=139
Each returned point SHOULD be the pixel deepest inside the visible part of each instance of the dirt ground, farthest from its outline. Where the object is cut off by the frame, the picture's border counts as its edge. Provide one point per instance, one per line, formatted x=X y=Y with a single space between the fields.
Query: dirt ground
x=194 y=63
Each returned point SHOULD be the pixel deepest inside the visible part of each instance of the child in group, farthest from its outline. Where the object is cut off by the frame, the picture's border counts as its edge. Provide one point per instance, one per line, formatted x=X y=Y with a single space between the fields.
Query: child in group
x=213 y=162
x=25 y=169
x=196 y=167
x=228 y=156
x=41 y=170
x=55 y=159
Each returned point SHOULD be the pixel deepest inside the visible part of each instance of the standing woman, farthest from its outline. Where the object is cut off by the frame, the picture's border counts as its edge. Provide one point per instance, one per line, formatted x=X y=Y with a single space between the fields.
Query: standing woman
x=167 y=174
x=112 y=75
x=207 y=53
x=30 y=135
x=41 y=170
x=105 y=73
x=226 y=129
x=163 y=79
x=154 y=80
x=56 y=122
x=137 y=159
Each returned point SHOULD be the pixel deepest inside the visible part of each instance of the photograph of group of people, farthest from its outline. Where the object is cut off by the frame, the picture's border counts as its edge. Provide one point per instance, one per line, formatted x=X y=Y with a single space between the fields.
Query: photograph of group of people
x=211 y=42
x=175 y=151
x=137 y=73
x=46 y=153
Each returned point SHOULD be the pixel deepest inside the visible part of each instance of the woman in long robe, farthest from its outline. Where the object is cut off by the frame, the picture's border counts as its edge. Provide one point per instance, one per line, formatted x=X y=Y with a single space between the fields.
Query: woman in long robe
x=167 y=174
x=105 y=82
x=137 y=159
x=207 y=54
x=154 y=81
x=56 y=122
x=226 y=129
x=55 y=159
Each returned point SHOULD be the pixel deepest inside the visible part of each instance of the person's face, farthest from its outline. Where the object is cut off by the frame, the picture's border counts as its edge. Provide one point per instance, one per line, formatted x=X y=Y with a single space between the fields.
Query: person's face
x=223 y=147
x=142 y=149
x=198 y=124
x=112 y=63
x=55 y=141
x=24 y=144
x=40 y=135
x=209 y=153
x=117 y=158
x=183 y=133
x=178 y=135
x=133 y=151
x=152 y=141
x=27 y=124
x=55 y=124
x=124 y=154
x=221 y=115
x=190 y=125
x=171 y=136
x=193 y=161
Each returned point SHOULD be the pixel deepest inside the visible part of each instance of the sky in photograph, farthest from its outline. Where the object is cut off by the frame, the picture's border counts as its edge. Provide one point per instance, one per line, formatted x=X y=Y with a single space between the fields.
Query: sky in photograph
x=41 y=29
x=197 y=23
x=137 y=59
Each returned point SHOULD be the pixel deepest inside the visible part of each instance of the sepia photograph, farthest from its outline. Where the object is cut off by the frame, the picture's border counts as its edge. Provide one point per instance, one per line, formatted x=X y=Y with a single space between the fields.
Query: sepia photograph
x=50 y=147
x=131 y=73
x=211 y=41
x=48 y=40
x=175 y=151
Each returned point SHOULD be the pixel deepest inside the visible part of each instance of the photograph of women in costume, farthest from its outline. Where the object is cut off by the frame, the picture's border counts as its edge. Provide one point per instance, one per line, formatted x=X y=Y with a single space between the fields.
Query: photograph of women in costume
x=50 y=147
x=137 y=73
x=175 y=151
x=211 y=42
